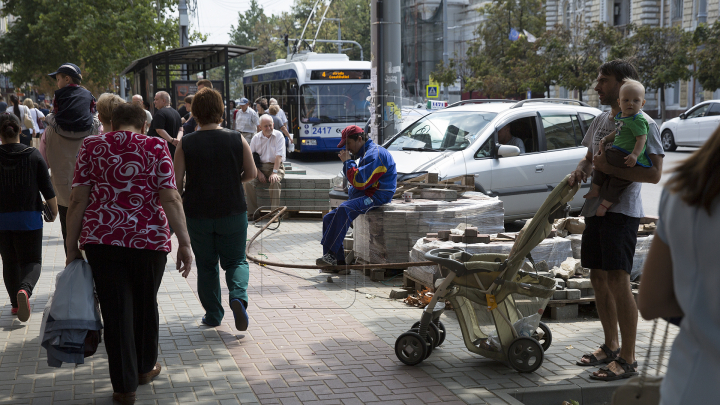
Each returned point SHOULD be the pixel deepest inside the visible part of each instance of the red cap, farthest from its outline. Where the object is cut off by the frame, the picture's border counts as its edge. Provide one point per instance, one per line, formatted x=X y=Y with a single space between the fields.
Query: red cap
x=351 y=130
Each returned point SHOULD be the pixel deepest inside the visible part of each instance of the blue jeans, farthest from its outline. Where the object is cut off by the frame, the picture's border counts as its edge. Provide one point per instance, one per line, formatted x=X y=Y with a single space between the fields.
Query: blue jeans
x=219 y=239
x=337 y=222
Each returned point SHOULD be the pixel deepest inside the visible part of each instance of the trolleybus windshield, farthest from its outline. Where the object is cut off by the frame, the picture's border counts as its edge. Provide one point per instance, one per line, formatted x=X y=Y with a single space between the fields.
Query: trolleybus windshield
x=341 y=102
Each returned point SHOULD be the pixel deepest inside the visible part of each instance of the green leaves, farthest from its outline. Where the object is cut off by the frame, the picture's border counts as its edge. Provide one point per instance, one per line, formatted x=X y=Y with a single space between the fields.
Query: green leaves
x=707 y=40
x=100 y=36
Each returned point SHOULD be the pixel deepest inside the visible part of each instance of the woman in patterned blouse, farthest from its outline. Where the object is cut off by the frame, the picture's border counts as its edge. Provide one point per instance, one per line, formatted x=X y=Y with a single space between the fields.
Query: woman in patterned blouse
x=123 y=196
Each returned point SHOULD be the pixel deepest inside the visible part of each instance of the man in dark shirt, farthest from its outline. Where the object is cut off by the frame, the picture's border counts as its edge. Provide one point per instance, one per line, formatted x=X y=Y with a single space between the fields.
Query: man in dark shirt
x=3 y=104
x=166 y=121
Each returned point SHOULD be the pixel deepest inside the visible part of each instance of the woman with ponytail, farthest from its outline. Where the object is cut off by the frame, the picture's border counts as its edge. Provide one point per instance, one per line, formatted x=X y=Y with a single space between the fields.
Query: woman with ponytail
x=23 y=177
x=21 y=112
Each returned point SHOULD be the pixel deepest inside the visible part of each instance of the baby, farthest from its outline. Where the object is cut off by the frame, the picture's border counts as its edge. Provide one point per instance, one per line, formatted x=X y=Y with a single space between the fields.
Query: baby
x=628 y=146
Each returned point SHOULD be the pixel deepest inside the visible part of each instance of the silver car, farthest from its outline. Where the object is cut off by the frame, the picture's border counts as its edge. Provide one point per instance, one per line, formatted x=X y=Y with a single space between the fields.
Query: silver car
x=463 y=139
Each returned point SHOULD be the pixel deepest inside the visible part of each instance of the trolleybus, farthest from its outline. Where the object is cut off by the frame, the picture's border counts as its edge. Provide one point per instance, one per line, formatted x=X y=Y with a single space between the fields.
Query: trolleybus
x=321 y=94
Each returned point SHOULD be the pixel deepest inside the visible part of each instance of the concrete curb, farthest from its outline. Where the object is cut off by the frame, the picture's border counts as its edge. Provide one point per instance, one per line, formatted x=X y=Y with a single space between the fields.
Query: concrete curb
x=587 y=393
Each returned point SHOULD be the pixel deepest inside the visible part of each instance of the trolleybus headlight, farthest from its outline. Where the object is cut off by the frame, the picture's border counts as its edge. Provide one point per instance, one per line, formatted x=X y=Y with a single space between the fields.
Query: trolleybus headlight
x=309 y=142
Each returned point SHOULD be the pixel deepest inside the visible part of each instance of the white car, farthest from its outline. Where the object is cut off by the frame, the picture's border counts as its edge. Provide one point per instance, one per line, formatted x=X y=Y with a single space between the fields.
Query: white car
x=693 y=127
x=463 y=139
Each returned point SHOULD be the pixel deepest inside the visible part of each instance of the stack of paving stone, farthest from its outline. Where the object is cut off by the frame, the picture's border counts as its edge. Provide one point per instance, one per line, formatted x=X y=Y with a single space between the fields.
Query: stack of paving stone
x=387 y=233
x=300 y=192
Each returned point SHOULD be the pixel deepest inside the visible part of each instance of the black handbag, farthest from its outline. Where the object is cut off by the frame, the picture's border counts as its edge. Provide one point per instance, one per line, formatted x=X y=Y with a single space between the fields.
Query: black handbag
x=46 y=212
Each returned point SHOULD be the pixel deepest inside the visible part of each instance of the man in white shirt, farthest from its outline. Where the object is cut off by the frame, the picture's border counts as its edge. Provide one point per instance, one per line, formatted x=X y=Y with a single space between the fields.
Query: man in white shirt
x=269 y=145
x=246 y=120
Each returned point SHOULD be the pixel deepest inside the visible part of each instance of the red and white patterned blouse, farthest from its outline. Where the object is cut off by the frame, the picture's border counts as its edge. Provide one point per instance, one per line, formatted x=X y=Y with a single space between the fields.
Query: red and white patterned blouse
x=126 y=172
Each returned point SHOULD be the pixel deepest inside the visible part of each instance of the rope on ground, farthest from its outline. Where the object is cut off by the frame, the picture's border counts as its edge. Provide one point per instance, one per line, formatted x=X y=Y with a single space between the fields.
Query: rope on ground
x=277 y=212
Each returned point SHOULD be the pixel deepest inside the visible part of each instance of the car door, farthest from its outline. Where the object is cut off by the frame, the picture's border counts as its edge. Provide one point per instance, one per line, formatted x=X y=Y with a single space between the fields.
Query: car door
x=561 y=135
x=686 y=130
x=707 y=124
x=519 y=181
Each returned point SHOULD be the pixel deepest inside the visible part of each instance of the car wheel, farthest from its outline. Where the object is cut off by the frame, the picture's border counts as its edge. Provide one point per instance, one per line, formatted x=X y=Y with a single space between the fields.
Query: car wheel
x=668 y=141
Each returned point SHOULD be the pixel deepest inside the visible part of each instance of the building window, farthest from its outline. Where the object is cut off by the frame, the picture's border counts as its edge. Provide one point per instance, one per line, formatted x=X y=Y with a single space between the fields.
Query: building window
x=567 y=14
x=676 y=93
x=677 y=10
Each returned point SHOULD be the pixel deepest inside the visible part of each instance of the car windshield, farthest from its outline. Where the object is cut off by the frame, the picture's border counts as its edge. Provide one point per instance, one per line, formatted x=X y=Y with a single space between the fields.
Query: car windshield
x=443 y=130
x=334 y=103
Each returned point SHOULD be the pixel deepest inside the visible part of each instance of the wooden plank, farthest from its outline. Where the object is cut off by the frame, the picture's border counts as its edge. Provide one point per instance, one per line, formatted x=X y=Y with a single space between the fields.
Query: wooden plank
x=560 y=303
x=439 y=185
x=412 y=282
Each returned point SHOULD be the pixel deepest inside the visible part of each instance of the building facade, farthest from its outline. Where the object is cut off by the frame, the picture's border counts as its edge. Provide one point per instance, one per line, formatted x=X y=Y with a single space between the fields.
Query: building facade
x=658 y=13
x=422 y=39
x=6 y=86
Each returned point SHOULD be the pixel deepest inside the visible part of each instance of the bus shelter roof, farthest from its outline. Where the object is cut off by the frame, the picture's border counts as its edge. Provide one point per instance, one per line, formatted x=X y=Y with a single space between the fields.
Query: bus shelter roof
x=197 y=58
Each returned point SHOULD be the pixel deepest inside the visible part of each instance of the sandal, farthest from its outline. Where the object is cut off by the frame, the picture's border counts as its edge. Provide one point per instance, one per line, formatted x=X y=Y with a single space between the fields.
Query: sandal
x=594 y=361
x=605 y=369
x=629 y=370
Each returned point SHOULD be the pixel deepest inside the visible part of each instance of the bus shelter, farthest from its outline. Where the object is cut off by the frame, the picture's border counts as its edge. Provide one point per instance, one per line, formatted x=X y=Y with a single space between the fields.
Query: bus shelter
x=169 y=71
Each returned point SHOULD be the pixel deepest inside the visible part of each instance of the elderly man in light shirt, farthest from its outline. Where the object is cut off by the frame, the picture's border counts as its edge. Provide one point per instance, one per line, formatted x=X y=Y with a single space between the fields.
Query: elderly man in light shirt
x=246 y=120
x=269 y=144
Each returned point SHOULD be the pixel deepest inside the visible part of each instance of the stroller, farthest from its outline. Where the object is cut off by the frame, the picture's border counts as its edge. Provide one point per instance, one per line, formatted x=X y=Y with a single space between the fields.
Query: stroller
x=487 y=291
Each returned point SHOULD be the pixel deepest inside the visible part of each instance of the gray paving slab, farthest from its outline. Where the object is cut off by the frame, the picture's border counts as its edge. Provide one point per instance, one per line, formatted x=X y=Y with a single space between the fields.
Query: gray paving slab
x=197 y=366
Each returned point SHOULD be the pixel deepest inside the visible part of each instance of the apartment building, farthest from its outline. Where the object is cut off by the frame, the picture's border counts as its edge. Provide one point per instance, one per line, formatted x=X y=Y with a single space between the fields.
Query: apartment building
x=659 y=13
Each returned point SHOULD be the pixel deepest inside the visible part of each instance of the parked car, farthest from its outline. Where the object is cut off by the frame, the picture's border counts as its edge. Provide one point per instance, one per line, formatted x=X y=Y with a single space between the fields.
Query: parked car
x=693 y=127
x=463 y=139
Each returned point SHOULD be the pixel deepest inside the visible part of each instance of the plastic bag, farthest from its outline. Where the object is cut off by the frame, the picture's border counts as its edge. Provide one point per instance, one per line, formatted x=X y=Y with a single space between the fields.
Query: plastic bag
x=524 y=327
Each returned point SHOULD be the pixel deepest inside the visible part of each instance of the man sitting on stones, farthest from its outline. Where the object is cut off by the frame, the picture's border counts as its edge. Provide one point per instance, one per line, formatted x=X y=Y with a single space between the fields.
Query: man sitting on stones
x=372 y=180
x=269 y=146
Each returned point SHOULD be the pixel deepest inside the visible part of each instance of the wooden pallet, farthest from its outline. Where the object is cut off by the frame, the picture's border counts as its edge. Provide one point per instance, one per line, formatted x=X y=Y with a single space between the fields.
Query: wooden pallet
x=431 y=180
x=414 y=283
x=562 y=303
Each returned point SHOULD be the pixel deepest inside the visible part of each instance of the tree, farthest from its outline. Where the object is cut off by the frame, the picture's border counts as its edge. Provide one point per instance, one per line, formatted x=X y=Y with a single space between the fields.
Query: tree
x=444 y=74
x=662 y=57
x=100 y=36
x=707 y=39
x=497 y=63
x=586 y=48
x=545 y=60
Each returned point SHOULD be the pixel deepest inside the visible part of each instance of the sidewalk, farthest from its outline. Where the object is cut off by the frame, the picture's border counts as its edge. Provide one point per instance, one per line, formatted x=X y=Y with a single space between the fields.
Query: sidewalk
x=309 y=342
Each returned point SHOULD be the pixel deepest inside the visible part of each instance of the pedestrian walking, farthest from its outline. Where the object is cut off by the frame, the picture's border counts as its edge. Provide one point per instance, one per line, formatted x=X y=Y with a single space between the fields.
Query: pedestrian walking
x=681 y=276
x=215 y=206
x=166 y=122
x=71 y=121
x=35 y=115
x=273 y=110
x=23 y=177
x=189 y=122
x=3 y=104
x=138 y=101
x=105 y=106
x=247 y=121
x=23 y=114
x=123 y=197
x=608 y=243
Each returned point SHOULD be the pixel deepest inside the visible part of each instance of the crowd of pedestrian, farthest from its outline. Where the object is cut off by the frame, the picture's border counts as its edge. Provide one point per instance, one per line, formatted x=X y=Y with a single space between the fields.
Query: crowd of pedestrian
x=123 y=180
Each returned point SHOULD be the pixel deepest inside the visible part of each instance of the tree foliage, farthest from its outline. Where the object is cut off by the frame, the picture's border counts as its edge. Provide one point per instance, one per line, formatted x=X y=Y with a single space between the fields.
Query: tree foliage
x=662 y=57
x=496 y=62
x=255 y=28
x=100 y=36
x=708 y=58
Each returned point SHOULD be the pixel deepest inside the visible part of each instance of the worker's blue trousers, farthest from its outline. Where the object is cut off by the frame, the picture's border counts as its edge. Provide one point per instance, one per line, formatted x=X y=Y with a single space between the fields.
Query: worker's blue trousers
x=337 y=222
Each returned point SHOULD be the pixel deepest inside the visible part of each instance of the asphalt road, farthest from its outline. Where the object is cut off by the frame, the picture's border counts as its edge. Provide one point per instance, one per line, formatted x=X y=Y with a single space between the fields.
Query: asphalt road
x=329 y=163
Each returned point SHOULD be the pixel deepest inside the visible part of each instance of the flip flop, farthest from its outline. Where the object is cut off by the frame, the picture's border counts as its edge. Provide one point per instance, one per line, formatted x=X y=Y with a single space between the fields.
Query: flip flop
x=594 y=361
x=628 y=371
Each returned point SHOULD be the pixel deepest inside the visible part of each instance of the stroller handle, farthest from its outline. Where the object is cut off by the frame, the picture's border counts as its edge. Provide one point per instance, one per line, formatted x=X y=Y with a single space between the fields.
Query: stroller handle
x=441 y=256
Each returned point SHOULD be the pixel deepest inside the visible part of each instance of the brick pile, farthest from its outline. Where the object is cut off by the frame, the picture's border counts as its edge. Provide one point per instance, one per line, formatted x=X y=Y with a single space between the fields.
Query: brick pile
x=387 y=233
x=300 y=192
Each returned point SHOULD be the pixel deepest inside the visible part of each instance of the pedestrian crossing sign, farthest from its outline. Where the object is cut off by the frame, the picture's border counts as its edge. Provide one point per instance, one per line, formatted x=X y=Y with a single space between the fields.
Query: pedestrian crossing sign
x=432 y=91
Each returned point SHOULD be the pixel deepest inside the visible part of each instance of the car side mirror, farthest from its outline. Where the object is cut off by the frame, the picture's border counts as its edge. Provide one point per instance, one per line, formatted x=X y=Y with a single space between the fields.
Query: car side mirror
x=507 y=150
x=683 y=116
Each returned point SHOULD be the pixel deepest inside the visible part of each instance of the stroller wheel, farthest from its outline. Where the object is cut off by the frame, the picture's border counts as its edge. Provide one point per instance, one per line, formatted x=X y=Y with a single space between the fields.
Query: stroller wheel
x=410 y=348
x=525 y=354
x=546 y=338
x=441 y=327
x=433 y=331
x=430 y=339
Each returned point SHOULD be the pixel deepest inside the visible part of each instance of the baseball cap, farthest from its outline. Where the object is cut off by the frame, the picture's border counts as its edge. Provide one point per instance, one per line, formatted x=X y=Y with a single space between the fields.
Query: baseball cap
x=69 y=69
x=351 y=130
x=243 y=101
